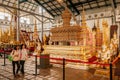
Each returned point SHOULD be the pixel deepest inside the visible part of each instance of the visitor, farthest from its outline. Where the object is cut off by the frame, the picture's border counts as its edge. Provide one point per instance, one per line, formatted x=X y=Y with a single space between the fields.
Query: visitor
x=16 y=57
x=23 y=57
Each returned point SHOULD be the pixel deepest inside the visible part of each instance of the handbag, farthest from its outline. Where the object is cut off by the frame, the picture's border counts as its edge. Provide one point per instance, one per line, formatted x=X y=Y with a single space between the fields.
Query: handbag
x=10 y=58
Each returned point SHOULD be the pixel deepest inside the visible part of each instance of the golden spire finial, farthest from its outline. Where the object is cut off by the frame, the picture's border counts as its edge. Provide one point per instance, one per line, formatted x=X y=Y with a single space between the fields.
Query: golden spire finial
x=103 y=21
x=35 y=28
x=98 y=23
x=94 y=27
x=66 y=16
x=94 y=24
x=115 y=35
x=83 y=18
x=106 y=23
x=35 y=34
x=35 y=22
x=10 y=30
x=44 y=39
x=0 y=32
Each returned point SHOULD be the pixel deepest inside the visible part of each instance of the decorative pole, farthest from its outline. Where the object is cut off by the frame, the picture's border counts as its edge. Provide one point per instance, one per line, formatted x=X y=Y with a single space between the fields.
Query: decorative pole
x=42 y=27
x=18 y=22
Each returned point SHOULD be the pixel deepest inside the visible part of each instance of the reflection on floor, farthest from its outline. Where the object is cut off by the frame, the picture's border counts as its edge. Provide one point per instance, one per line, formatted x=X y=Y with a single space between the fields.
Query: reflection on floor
x=54 y=73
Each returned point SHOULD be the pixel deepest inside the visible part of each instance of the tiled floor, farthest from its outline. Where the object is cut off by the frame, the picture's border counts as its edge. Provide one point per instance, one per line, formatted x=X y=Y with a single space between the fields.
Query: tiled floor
x=53 y=73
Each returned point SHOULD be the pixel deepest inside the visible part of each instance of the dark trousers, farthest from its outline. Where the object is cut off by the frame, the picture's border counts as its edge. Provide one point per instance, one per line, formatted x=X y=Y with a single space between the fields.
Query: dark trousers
x=22 y=62
x=14 y=63
x=1 y=54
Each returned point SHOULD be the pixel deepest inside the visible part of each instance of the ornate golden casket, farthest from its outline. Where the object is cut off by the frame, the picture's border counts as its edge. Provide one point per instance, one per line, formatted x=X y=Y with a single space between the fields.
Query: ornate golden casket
x=69 y=41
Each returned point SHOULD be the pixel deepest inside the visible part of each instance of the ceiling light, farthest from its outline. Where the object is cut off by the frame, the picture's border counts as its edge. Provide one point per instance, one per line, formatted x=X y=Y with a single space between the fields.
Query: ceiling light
x=60 y=1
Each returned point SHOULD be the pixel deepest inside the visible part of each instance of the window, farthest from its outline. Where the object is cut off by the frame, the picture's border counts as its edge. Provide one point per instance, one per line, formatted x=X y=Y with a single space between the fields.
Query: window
x=25 y=20
x=3 y=15
x=8 y=16
x=40 y=10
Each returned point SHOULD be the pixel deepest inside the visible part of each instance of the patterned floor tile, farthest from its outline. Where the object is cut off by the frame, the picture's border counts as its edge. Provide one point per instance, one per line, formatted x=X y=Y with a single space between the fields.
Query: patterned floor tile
x=53 y=73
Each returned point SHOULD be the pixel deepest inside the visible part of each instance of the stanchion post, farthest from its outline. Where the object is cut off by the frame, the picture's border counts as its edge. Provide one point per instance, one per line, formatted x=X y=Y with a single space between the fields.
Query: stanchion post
x=4 y=59
x=111 y=71
x=63 y=68
x=35 y=65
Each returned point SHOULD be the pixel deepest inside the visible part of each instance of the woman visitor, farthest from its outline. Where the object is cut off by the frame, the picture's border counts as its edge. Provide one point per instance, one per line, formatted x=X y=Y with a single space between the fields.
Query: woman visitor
x=16 y=57
x=23 y=57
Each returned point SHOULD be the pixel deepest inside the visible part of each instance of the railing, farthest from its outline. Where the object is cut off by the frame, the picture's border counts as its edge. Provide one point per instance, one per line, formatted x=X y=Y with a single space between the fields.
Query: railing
x=63 y=61
x=116 y=59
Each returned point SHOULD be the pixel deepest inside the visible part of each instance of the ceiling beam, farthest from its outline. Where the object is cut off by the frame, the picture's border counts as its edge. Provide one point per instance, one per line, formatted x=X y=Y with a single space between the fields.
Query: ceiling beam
x=82 y=3
x=113 y=7
x=32 y=3
x=48 y=1
x=105 y=2
x=51 y=21
x=10 y=11
x=28 y=2
x=62 y=8
x=32 y=13
x=97 y=4
x=96 y=7
x=45 y=20
x=55 y=6
x=51 y=8
x=89 y=4
x=114 y=2
x=24 y=15
x=38 y=19
x=73 y=6
x=76 y=4
x=44 y=8
x=22 y=1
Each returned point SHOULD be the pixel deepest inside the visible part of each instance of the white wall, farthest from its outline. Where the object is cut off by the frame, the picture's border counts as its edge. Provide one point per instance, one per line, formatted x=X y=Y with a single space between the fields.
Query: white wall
x=102 y=13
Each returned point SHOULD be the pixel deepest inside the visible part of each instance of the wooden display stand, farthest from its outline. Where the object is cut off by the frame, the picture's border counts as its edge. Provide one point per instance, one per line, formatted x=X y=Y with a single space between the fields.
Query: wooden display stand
x=45 y=61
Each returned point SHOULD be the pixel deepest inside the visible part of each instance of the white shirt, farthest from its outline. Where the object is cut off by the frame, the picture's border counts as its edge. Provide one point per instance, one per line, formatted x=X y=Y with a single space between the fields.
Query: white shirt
x=24 y=53
x=15 y=55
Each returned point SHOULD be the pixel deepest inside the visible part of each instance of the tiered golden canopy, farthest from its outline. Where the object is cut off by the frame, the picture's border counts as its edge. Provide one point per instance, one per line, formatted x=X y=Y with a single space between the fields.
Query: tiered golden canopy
x=66 y=32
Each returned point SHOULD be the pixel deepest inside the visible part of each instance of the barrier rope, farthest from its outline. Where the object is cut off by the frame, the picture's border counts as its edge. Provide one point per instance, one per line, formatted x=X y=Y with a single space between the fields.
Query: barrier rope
x=69 y=60
x=115 y=60
x=1 y=51
x=79 y=61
